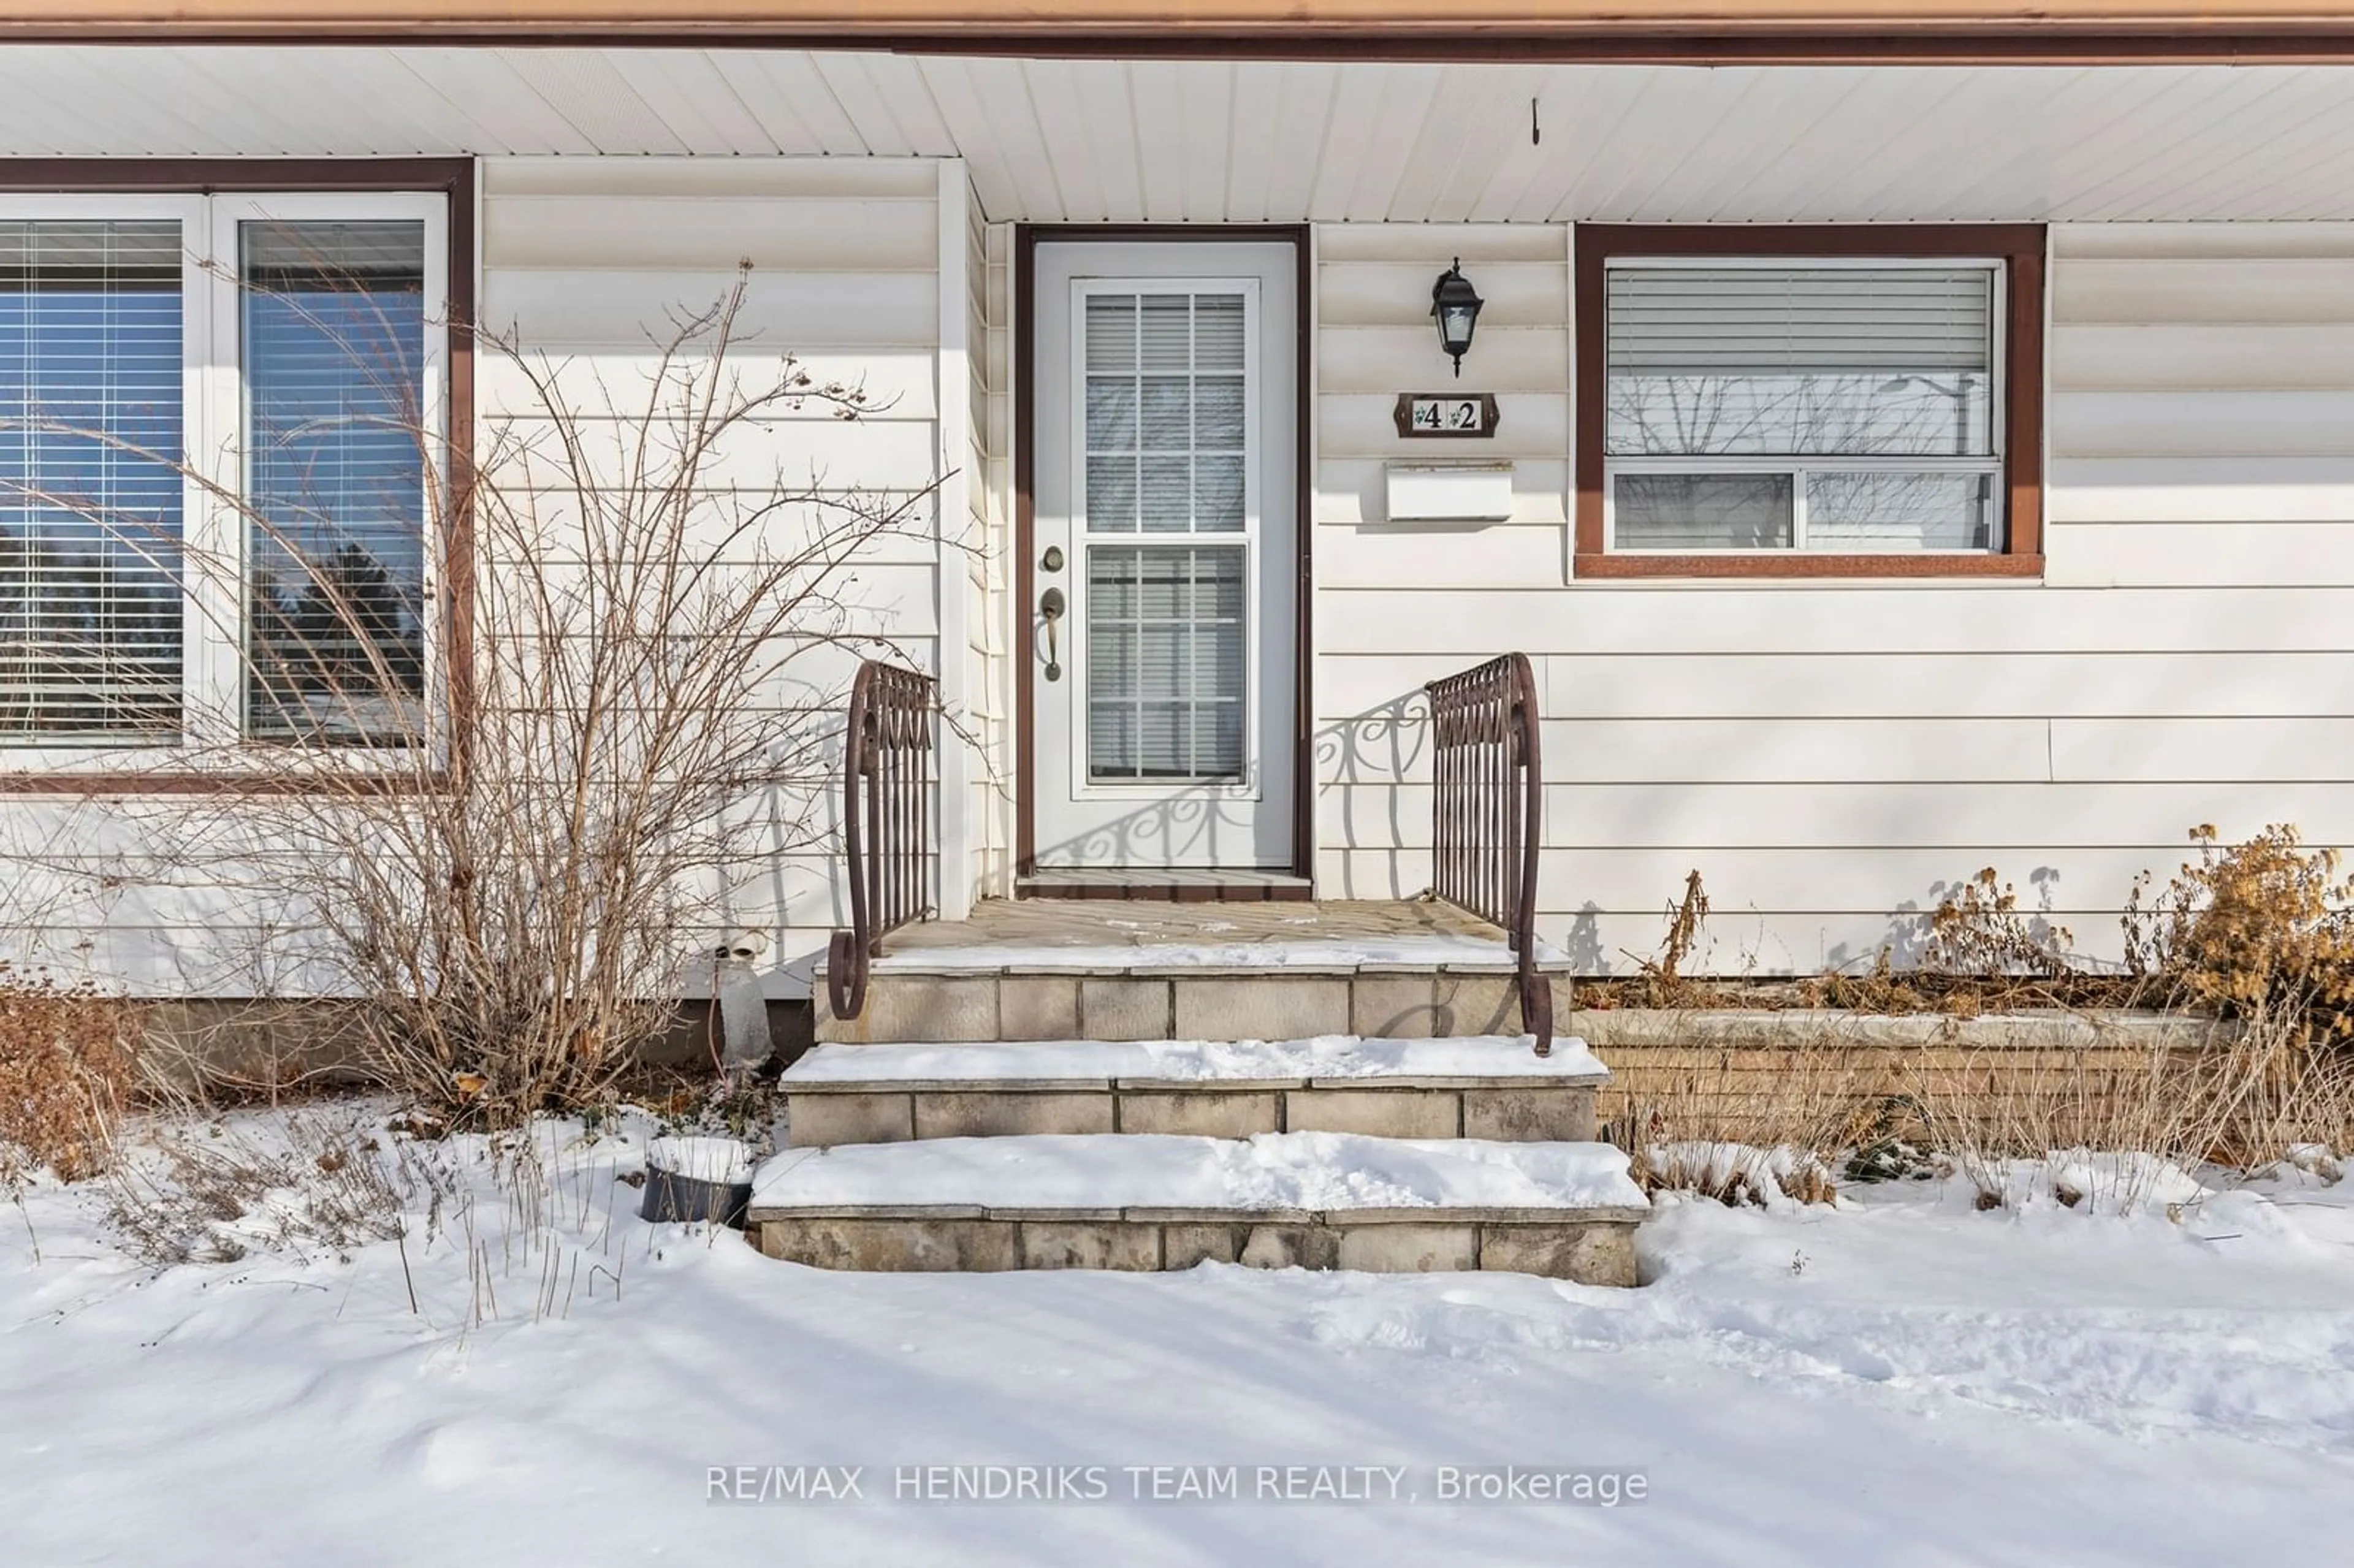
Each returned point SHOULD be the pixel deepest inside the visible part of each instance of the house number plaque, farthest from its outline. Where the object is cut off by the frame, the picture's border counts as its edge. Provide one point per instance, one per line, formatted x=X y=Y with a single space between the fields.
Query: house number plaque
x=1442 y=416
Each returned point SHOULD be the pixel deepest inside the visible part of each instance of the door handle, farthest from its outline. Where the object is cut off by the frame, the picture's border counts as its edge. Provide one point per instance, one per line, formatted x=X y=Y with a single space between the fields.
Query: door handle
x=1051 y=605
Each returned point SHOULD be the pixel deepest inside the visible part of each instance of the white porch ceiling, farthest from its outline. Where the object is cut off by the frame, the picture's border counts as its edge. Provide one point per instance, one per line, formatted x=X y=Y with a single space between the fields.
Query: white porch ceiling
x=1205 y=140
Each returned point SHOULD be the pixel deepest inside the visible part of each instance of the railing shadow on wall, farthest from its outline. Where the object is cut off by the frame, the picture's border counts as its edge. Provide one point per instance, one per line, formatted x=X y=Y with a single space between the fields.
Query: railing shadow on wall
x=1365 y=765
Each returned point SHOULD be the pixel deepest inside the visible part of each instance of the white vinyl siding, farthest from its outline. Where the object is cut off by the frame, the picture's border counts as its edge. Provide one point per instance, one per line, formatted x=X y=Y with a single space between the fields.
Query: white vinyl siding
x=1833 y=755
x=587 y=261
x=844 y=278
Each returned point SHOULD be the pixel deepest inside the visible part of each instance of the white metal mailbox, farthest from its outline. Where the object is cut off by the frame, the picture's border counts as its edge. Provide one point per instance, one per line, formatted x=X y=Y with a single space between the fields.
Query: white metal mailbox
x=1451 y=492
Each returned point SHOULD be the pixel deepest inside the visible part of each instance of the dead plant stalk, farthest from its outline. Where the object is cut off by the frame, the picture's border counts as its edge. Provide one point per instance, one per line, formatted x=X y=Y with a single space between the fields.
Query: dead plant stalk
x=512 y=844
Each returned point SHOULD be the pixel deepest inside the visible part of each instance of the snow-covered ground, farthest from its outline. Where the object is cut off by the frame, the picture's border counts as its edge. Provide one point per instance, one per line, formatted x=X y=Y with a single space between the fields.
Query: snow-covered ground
x=1902 y=1381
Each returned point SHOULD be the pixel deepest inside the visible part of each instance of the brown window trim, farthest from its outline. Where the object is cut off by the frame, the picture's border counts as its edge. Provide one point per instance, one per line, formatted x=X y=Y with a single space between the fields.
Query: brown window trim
x=453 y=178
x=2019 y=246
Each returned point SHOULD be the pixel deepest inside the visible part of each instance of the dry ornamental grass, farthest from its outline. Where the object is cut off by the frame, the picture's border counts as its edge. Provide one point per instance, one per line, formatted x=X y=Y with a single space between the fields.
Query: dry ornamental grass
x=65 y=1075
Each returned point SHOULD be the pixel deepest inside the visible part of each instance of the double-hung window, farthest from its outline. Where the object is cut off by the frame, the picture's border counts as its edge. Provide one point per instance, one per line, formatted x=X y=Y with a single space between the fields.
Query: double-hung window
x=1775 y=410
x=221 y=422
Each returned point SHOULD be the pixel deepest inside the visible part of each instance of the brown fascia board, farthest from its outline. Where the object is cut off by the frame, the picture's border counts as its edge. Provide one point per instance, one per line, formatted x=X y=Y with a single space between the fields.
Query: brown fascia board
x=1632 y=31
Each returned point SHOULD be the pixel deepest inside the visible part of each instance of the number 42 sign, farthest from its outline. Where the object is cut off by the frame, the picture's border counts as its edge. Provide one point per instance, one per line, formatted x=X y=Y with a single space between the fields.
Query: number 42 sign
x=1459 y=415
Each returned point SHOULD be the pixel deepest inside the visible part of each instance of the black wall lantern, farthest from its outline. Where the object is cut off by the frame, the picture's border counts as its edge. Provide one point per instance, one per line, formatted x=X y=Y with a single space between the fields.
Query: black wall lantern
x=1456 y=305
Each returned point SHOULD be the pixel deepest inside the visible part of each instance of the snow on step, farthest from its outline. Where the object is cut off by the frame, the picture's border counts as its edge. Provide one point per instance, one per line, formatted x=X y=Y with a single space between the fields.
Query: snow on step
x=1326 y=1058
x=1276 y=1171
x=1428 y=949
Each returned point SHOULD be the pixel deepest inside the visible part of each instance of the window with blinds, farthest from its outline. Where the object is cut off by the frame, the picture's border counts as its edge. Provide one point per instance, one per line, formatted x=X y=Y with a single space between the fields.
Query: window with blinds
x=1166 y=453
x=269 y=580
x=335 y=484
x=90 y=506
x=1798 y=407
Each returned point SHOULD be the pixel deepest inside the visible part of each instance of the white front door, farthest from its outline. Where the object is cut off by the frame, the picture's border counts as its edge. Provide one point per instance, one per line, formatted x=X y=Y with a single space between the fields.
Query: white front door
x=1164 y=555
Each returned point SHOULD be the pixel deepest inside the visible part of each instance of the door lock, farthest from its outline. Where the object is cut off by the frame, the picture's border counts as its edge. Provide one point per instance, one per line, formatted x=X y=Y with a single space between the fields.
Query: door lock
x=1051 y=605
x=1053 y=561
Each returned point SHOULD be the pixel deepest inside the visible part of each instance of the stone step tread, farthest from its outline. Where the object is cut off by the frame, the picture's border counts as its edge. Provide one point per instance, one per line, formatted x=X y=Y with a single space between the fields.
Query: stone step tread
x=1321 y=1173
x=1180 y=1214
x=1331 y=1061
x=1241 y=960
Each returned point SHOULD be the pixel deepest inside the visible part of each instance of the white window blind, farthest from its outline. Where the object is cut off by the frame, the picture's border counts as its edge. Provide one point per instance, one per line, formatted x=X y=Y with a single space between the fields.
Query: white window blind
x=1760 y=407
x=1789 y=320
x=1164 y=417
x=1165 y=677
x=1166 y=453
x=334 y=336
x=91 y=534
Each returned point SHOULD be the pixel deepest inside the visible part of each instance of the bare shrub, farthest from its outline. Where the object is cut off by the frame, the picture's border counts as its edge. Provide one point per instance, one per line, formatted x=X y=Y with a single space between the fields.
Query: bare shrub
x=2257 y=929
x=514 y=844
x=66 y=1057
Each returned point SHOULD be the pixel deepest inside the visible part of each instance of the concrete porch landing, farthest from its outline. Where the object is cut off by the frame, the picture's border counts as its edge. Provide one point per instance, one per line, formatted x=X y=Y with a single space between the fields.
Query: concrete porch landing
x=1105 y=969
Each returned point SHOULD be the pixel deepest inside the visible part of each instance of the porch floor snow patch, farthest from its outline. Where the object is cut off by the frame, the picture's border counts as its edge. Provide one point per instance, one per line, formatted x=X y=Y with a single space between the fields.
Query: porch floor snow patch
x=1144 y=934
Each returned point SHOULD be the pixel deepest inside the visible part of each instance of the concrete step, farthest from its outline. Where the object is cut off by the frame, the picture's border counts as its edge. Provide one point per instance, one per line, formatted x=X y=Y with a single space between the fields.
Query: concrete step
x=1493 y=1087
x=1310 y=1199
x=1022 y=1003
x=1144 y=969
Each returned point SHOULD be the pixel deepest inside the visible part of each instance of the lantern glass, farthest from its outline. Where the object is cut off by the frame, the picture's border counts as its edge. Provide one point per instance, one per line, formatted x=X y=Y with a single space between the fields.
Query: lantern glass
x=1455 y=328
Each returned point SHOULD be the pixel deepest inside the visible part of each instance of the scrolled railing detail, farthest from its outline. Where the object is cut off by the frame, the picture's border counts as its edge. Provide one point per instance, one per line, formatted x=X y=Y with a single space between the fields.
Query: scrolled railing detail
x=1488 y=813
x=887 y=773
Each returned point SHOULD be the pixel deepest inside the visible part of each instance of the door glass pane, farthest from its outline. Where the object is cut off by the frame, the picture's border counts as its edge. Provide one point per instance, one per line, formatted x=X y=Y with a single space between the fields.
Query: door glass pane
x=1218 y=493
x=1218 y=413
x=1168 y=495
x=1702 y=512
x=1166 y=426
x=1165 y=661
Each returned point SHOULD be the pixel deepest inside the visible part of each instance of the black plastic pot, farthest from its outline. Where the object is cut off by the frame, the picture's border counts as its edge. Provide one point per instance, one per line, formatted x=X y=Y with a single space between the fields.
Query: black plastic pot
x=671 y=1198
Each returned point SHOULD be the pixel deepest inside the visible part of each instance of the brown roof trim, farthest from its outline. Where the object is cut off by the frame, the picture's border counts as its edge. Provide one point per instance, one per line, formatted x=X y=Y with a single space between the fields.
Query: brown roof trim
x=1667 y=32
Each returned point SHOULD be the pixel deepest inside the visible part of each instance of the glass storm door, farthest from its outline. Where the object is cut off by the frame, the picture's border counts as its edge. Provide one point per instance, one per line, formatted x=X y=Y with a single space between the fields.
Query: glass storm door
x=1163 y=550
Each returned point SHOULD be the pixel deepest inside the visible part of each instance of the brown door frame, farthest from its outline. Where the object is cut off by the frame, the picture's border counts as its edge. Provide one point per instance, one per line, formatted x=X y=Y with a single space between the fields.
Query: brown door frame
x=1027 y=238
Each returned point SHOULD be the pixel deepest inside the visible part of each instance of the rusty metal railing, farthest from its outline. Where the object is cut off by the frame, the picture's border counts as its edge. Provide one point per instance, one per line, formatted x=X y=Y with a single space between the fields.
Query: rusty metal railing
x=886 y=772
x=1487 y=816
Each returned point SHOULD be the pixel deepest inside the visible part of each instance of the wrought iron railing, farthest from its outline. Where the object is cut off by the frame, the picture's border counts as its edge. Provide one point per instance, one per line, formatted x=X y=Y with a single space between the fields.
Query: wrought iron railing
x=886 y=772
x=1488 y=815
